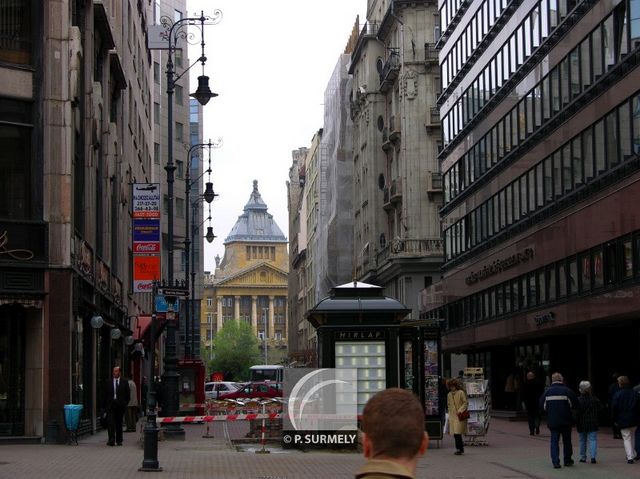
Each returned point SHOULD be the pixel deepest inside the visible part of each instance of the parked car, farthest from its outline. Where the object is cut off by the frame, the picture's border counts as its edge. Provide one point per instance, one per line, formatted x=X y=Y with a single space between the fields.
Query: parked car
x=214 y=390
x=262 y=389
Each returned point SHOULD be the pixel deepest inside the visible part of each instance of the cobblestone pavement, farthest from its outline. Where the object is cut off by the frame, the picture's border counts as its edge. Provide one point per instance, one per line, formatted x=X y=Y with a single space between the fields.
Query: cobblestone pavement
x=510 y=454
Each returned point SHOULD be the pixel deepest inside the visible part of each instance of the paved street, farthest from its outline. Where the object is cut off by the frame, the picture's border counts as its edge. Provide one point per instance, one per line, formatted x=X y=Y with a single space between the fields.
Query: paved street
x=511 y=453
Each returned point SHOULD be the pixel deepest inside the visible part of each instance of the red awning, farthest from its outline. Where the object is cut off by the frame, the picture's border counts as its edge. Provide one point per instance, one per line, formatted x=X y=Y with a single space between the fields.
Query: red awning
x=142 y=329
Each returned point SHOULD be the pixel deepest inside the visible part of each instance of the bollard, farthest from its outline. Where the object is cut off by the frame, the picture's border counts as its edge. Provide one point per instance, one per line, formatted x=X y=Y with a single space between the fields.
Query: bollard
x=263 y=440
x=150 y=462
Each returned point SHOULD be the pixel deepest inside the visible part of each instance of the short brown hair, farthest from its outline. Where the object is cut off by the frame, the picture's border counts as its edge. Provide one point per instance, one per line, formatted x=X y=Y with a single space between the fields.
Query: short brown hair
x=393 y=420
x=623 y=381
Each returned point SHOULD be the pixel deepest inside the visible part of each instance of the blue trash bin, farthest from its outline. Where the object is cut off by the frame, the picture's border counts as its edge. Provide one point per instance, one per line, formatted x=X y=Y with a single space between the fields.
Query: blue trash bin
x=72 y=420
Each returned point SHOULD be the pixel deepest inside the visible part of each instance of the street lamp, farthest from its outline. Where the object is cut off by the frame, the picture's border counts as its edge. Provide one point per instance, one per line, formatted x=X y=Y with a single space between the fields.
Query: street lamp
x=176 y=31
x=207 y=196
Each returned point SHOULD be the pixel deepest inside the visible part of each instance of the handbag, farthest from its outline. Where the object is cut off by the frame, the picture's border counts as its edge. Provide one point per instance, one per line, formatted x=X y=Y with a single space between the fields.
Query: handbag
x=464 y=415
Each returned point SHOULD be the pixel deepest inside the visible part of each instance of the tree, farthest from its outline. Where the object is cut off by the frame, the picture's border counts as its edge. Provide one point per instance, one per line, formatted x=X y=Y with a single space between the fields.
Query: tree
x=235 y=349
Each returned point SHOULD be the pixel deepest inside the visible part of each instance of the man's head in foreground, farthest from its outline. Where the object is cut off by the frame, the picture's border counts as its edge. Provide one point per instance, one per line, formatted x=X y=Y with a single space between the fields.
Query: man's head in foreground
x=393 y=427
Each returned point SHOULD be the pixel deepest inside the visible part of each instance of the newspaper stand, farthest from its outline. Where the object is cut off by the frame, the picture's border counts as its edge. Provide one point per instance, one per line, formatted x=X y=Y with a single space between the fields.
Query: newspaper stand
x=477 y=389
x=72 y=421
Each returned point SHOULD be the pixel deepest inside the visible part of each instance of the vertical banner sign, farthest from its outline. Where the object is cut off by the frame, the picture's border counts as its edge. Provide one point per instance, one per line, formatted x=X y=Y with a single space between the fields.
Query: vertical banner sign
x=146 y=236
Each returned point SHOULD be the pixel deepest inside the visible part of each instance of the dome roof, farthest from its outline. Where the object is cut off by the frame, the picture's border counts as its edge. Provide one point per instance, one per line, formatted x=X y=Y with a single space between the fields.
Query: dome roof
x=256 y=224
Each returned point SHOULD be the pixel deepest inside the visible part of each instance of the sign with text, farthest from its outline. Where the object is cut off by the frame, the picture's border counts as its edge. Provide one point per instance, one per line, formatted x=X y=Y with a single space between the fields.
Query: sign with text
x=146 y=200
x=146 y=270
x=146 y=235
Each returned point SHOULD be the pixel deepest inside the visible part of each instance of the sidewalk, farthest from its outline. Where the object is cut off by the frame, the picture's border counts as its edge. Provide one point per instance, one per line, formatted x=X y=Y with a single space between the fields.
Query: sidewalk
x=511 y=453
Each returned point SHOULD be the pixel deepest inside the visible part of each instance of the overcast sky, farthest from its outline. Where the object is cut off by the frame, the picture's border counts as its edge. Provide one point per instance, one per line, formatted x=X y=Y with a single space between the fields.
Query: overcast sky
x=270 y=62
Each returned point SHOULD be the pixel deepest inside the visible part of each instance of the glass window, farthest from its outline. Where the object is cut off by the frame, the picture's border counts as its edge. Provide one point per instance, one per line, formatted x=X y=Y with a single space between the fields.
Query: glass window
x=546 y=98
x=529 y=112
x=542 y=288
x=635 y=18
x=608 y=43
x=539 y=185
x=496 y=214
x=574 y=66
x=562 y=281
x=523 y=292
x=535 y=25
x=516 y=199
x=599 y=151
x=532 y=289
x=587 y=150
x=564 y=81
x=553 y=14
x=624 y=117
x=610 y=263
x=555 y=90
x=527 y=31
x=572 y=280
x=508 y=198
x=523 y=195
x=596 y=50
x=576 y=155
x=627 y=259
x=520 y=45
x=551 y=282
x=544 y=18
x=532 y=190
x=537 y=106
x=598 y=268
x=635 y=107
x=502 y=207
x=513 y=47
x=567 y=177
x=548 y=180
x=514 y=127
x=612 y=139
x=585 y=63
x=585 y=272
x=557 y=174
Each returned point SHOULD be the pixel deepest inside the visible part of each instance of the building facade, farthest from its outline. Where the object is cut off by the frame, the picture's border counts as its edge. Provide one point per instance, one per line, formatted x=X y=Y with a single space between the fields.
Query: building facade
x=250 y=281
x=397 y=188
x=75 y=132
x=541 y=126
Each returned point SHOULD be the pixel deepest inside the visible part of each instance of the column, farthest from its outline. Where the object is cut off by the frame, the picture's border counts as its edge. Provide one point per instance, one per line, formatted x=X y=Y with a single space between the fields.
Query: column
x=236 y=307
x=254 y=315
x=219 y=318
x=272 y=325
x=285 y=327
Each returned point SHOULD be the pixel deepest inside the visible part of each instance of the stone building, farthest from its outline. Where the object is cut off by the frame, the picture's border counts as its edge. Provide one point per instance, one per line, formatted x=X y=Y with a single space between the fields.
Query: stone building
x=76 y=129
x=397 y=187
x=250 y=281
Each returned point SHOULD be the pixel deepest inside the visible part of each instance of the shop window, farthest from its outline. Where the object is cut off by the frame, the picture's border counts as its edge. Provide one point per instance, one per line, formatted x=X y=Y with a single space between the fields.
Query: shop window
x=572 y=280
x=551 y=284
x=610 y=264
x=533 y=289
x=542 y=287
x=562 y=281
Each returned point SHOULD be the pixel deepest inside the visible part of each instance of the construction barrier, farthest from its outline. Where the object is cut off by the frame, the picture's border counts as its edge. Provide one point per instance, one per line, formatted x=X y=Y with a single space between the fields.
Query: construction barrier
x=228 y=417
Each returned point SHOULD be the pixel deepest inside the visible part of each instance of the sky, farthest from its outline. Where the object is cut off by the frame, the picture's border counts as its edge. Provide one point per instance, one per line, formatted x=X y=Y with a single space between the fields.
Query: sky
x=270 y=63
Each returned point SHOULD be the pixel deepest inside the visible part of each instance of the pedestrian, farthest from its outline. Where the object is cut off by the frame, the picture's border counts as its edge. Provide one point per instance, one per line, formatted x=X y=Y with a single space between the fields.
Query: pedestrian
x=613 y=389
x=559 y=401
x=589 y=408
x=131 y=417
x=624 y=409
x=636 y=389
x=114 y=403
x=393 y=435
x=458 y=408
x=532 y=389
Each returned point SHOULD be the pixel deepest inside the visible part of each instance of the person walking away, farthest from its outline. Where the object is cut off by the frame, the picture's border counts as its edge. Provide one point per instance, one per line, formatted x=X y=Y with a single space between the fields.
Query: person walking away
x=559 y=401
x=624 y=409
x=613 y=389
x=457 y=404
x=589 y=408
x=636 y=389
x=131 y=417
x=393 y=436
x=114 y=402
x=532 y=389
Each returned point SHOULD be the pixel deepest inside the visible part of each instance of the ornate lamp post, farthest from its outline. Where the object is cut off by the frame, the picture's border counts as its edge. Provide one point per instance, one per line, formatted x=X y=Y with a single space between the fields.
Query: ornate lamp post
x=176 y=31
x=207 y=196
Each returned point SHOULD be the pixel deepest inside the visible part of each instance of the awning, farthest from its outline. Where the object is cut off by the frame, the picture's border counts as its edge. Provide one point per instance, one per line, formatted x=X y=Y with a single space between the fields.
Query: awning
x=142 y=328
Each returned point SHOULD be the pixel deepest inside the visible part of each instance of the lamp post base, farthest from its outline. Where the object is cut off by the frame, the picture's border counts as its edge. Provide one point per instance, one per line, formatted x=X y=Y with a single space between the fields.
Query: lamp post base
x=173 y=432
x=150 y=462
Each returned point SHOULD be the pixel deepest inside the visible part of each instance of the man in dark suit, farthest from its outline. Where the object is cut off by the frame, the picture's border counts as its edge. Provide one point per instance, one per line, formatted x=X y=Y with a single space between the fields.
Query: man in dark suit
x=115 y=400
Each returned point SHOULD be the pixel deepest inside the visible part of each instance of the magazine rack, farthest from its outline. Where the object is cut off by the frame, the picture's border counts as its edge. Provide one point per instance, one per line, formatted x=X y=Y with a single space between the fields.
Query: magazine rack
x=477 y=389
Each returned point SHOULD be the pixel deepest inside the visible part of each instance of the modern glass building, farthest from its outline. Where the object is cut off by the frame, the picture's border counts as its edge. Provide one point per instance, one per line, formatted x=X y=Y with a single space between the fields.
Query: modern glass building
x=540 y=111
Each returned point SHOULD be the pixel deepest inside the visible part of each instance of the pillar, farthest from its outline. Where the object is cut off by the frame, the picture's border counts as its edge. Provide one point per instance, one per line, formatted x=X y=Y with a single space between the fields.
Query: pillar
x=219 y=319
x=236 y=307
x=272 y=325
x=254 y=315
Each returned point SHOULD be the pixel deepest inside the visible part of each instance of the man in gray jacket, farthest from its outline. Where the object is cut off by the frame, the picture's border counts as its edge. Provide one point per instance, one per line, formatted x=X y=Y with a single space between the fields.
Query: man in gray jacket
x=559 y=401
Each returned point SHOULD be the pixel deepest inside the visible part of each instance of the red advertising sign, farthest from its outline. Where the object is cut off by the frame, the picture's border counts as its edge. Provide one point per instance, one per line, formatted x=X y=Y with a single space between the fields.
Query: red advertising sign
x=146 y=269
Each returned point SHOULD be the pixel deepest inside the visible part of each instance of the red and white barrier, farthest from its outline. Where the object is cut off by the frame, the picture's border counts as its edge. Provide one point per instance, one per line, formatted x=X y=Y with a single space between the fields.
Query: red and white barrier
x=227 y=417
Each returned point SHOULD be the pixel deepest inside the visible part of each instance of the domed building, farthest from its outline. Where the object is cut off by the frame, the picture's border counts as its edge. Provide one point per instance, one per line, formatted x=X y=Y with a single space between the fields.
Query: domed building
x=250 y=281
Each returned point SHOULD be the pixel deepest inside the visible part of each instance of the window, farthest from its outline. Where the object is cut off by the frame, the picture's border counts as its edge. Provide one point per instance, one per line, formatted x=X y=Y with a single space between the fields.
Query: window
x=15 y=32
x=612 y=140
x=178 y=58
x=180 y=169
x=156 y=73
x=599 y=151
x=598 y=268
x=180 y=207
x=179 y=95
x=562 y=281
x=572 y=280
x=551 y=283
x=585 y=272
x=179 y=132
x=209 y=303
x=627 y=259
x=156 y=112
x=156 y=153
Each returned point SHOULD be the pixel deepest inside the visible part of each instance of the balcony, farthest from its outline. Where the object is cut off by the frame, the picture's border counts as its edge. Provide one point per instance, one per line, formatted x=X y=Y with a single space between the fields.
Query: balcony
x=430 y=54
x=390 y=71
x=433 y=120
x=386 y=199
x=434 y=183
x=410 y=248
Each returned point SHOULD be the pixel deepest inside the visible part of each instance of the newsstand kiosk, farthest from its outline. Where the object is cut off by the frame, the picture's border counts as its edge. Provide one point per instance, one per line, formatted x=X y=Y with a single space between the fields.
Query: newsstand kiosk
x=358 y=327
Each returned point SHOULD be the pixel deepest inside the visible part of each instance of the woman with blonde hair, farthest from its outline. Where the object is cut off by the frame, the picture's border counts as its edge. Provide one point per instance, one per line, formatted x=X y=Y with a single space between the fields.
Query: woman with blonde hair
x=457 y=405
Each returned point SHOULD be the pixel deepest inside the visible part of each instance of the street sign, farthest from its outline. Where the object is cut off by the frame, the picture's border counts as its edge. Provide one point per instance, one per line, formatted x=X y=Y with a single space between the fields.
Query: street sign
x=162 y=306
x=180 y=293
